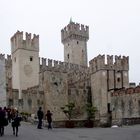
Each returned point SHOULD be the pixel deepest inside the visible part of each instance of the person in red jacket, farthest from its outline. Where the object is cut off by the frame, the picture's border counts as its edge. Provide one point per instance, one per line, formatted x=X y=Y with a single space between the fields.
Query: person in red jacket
x=49 y=119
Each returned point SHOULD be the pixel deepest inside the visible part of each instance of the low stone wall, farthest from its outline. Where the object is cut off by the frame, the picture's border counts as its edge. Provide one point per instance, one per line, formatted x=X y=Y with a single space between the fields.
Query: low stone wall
x=62 y=124
x=130 y=121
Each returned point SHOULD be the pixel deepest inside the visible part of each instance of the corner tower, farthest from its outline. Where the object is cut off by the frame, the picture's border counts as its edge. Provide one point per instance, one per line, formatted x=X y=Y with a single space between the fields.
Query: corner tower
x=105 y=79
x=74 y=38
x=25 y=61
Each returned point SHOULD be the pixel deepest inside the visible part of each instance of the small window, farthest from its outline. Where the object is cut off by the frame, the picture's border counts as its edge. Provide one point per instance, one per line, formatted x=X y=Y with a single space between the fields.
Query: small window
x=31 y=58
x=139 y=107
x=68 y=44
x=55 y=83
x=118 y=79
x=77 y=42
x=15 y=59
x=68 y=56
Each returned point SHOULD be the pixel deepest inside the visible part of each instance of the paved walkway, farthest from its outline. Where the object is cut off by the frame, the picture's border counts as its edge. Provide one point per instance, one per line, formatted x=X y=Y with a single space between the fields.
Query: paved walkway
x=30 y=132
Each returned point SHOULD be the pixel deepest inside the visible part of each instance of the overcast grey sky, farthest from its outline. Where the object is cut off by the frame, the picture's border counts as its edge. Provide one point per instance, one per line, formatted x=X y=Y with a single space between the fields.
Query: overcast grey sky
x=114 y=26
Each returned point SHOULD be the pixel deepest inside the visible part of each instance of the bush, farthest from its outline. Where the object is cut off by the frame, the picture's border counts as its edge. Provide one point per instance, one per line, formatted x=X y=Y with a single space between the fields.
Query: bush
x=68 y=109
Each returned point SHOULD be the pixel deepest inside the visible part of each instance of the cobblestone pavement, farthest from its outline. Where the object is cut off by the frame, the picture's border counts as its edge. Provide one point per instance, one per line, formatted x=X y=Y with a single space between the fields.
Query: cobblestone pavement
x=30 y=132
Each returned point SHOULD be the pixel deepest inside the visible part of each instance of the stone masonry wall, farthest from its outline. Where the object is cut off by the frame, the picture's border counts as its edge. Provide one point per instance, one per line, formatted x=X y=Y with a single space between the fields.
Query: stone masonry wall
x=2 y=81
x=79 y=92
x=126 y=103
x=55 y=89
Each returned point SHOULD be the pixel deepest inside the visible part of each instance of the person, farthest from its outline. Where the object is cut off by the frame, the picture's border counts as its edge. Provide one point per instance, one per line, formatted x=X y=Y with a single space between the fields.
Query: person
x=2 y=121
x=49 y=119
x=15 y=122
x=40 y=115
x=9 y=117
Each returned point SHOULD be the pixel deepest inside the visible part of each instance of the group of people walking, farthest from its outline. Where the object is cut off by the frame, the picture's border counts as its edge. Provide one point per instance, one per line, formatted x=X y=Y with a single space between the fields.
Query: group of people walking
x=48 y=116
x=11 y=116
x=7 y=116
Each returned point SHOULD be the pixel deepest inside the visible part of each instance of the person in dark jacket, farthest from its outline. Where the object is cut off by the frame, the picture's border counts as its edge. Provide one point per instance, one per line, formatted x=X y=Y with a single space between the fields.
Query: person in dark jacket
x=49 y=119
x=2 y=120
x=40 y=115
x=15 y=122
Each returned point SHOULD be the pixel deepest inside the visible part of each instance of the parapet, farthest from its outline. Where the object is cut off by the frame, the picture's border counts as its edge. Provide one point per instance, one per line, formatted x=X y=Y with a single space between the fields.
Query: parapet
x=109 y=62
x=132 y=85
x=2 y=57
x=30 y=43
x=127 y=91
x=8 y=61
x=122 y=62
x=34 y=88
x=75 y=31
x=53 y=65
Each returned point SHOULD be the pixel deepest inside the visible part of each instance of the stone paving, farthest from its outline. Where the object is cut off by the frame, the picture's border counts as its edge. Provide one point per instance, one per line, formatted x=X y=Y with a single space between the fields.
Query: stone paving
x=30 y=132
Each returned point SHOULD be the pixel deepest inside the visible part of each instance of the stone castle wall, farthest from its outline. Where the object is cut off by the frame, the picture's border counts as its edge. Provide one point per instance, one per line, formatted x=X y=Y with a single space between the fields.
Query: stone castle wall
x=126 y=103
x=76 y=81
x=55 y=89
x=33 y=98
x=2 y=81
x=60 y=83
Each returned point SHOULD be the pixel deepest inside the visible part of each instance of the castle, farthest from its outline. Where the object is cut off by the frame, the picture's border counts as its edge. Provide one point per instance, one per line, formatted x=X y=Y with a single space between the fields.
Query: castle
x=28 y=81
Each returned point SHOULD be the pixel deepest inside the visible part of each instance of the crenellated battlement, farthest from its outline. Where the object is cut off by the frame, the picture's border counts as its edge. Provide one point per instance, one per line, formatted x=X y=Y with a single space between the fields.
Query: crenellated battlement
x=75 y=72
x=109 y=62
x=34 y=88
x=126 y=91
x=75 y=31
x=122 y=62
x=2 y=57
x=53 y=65
x=30 y=43
x=8 y=60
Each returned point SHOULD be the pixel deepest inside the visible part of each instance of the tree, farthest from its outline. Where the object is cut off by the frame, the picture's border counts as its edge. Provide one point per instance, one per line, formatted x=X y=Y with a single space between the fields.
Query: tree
x=68 y=109
x=91 y=110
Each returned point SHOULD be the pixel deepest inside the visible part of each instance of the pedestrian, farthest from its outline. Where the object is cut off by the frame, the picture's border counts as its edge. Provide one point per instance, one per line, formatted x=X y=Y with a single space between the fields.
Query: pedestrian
x=9 y=117
x=49 y=119
x=2 y=121
x=15 y=122
x=40 y=115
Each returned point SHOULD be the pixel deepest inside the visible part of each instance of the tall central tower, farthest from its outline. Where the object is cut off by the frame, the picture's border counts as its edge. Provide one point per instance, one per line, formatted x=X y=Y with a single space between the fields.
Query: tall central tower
x=74 y=38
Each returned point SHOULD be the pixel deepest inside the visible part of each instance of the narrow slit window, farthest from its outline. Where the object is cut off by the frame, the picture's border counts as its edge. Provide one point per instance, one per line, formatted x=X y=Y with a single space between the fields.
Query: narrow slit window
x=68 y=56
x=31 y=58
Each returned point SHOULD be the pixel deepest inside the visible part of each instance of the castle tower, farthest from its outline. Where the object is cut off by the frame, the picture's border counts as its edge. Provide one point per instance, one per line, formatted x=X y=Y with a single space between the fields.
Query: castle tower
x=2 y=81
x=25 y=61
x=74 y=38
x=105 y=78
